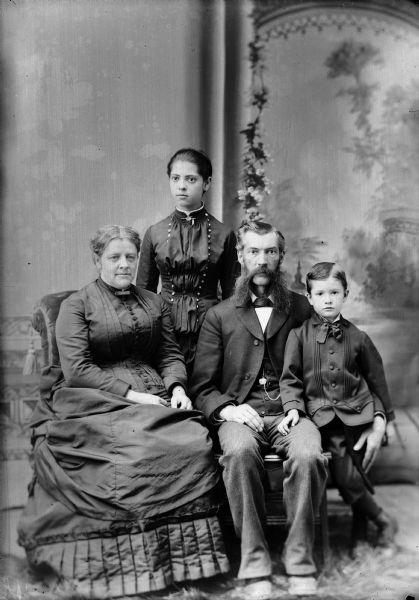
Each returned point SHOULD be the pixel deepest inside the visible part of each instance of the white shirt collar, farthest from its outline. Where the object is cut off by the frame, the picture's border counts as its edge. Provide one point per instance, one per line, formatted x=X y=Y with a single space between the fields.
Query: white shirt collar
x=263 y=313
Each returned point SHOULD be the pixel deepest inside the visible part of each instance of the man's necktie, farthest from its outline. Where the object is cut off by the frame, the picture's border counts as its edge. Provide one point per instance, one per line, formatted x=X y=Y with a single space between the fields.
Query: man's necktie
x=259 y=302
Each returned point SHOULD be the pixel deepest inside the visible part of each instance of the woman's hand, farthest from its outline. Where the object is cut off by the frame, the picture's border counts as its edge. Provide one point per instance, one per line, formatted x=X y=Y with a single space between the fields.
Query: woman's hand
x=290 y=420
x=143 y=398
x=179 y=399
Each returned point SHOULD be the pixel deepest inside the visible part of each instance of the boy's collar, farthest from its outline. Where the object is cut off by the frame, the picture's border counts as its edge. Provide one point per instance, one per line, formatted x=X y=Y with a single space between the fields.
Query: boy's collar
x=318 y=320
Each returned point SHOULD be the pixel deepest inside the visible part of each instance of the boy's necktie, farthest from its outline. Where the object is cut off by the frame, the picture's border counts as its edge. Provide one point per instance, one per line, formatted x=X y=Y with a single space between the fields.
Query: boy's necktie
x=327 y=328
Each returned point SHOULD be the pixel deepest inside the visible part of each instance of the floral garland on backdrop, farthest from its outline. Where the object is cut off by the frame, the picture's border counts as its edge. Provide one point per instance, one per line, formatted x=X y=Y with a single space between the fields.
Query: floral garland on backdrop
x=255 y=184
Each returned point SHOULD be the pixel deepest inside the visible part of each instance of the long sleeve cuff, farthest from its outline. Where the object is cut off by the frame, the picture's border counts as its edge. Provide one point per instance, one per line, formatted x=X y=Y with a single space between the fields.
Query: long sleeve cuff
x=170 y=381
x=121 y=388
x=380 y=413
x=287 y=405
x=215 y=418
x=175 y=384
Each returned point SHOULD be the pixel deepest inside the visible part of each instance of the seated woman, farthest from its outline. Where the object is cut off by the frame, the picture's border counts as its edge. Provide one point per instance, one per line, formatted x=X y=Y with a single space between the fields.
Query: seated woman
x=122 y=498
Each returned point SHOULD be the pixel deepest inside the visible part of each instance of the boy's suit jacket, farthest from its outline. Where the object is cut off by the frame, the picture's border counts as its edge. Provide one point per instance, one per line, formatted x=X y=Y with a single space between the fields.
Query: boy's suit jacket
x=231 y=347
x=324 y=377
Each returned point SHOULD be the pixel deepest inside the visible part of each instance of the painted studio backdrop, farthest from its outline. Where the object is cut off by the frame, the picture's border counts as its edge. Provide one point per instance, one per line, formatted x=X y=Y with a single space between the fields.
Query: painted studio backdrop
x=342 y=126
x=314 y=102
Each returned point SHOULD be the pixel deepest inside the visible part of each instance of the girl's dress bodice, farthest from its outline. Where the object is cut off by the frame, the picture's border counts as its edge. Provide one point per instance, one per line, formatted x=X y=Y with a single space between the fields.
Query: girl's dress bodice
x=195 y=258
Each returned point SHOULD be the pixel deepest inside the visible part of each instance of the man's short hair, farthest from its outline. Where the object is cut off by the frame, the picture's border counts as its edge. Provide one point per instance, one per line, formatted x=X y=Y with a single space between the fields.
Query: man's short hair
x=261 y=228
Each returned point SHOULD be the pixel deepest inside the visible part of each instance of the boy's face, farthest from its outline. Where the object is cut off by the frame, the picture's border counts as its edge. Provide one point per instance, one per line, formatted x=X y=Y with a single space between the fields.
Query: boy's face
x=327 y=297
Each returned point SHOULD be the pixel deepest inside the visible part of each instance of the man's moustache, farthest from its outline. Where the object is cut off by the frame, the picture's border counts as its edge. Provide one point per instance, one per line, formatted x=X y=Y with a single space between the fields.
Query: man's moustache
x=261 y=271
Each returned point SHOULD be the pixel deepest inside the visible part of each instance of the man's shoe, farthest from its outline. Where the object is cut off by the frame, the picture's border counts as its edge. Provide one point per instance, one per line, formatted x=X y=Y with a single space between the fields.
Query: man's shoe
x=257 y=589
x=302 y=586
x=386 y=531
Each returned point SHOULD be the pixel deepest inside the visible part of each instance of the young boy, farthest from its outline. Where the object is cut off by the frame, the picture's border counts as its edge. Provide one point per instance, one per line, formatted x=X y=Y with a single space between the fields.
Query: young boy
x=334 y=375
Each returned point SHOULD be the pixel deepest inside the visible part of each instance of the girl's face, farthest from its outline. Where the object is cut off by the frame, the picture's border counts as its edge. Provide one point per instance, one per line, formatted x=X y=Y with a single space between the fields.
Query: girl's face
x=187 y=186
x=118 y=263
x=327 y=297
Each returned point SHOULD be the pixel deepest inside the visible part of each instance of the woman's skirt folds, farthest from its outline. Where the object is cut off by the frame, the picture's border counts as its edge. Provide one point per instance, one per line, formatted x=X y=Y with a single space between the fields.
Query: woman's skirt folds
x=122 y=499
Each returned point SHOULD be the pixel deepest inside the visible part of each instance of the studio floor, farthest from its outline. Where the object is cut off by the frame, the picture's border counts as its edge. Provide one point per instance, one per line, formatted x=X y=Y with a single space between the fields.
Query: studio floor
x=371 y=576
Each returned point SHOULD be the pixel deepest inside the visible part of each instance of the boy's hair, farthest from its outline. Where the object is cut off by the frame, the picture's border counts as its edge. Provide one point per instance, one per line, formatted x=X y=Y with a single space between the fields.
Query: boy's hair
x=261 y=228
x=197 y=157
x=324 y=270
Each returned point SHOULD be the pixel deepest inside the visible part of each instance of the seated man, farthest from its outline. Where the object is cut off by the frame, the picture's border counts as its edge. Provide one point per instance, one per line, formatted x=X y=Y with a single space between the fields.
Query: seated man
x=235 y=383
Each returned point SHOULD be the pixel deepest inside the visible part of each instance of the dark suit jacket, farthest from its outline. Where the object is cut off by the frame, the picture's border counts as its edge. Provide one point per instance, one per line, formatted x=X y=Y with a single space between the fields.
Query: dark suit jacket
x=231 y=347
x=331 y=378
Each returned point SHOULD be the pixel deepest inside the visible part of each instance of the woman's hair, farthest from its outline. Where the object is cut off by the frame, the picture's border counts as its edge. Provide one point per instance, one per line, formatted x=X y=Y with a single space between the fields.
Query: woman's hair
x=197 y=157
x=106 y=234
x=324 y=270
x=260 y=228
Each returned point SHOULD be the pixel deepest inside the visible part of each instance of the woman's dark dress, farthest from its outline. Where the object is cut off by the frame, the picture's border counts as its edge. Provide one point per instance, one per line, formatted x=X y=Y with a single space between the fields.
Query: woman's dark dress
x=193 y=257
x=122 y=497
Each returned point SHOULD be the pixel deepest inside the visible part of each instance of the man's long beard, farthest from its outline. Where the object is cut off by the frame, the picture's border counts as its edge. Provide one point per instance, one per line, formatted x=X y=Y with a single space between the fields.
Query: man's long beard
x=277 y=289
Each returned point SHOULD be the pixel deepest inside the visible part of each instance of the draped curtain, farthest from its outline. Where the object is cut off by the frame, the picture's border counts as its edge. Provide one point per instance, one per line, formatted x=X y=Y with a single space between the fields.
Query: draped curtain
x=97 y=97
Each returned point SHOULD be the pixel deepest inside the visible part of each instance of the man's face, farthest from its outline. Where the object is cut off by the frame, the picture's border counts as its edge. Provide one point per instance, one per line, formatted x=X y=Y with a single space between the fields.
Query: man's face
x=260 y=256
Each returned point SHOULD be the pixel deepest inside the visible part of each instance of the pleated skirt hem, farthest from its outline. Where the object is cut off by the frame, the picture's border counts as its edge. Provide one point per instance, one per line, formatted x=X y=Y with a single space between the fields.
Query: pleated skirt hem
x=132 y=563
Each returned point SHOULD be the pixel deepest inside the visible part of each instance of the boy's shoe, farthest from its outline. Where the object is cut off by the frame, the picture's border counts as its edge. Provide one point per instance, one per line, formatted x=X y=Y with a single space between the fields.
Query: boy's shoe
x=359 y=534
x=302 y=586
x=387 y=528
x=258 y=588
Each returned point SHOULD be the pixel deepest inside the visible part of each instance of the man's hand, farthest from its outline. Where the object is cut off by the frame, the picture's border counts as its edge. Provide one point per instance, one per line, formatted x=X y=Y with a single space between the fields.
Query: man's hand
x=179 y=398
x=373 y=437
x=243 y=413
x=291 y=419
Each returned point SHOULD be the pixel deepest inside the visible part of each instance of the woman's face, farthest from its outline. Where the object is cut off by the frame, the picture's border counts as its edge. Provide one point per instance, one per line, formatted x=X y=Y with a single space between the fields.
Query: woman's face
x=118 y=263
x=187 y=186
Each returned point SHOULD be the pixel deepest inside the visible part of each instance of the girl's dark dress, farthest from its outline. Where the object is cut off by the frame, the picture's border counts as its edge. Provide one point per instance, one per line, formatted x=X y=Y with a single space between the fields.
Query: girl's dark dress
x=196 y=258
x=121 y=501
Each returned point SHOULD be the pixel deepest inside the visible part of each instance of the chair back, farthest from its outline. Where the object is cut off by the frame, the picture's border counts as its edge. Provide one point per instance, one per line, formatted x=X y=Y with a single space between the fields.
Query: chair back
x=43 y=321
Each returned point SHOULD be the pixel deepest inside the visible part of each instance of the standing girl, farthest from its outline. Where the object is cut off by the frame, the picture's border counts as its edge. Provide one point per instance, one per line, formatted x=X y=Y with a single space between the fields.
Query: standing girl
x=192 y=253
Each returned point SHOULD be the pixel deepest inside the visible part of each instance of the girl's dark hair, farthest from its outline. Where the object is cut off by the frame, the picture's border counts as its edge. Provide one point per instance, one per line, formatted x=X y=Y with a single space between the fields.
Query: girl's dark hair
x=323 y=270
x=197 y=157
x=106 y=234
